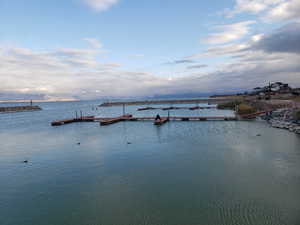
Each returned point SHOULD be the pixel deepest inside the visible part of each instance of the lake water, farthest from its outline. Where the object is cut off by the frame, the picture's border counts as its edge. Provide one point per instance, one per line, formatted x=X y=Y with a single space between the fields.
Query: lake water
x=208 y=173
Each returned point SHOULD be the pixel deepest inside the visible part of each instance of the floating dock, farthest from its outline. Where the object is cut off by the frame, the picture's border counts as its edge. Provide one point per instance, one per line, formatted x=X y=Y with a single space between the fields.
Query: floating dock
x=177 y=108
x=109 y=121
x=67 y=121
x=128 y=117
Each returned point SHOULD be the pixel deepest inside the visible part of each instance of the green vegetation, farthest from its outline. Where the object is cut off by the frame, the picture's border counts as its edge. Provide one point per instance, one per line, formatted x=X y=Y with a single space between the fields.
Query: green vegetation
x=229 y=105
x=246 y=109
x=296 y=99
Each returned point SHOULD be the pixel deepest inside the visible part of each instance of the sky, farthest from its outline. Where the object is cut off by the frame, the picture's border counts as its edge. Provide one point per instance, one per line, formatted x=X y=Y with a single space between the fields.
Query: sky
x=90 y=49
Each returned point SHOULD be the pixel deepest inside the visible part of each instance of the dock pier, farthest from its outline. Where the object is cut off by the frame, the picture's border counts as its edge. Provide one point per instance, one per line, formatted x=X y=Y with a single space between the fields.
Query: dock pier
x=104 y=121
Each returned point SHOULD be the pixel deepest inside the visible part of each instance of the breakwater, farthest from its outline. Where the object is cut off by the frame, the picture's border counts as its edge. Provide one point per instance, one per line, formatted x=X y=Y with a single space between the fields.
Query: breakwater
x=169 y=101
x=19 y=108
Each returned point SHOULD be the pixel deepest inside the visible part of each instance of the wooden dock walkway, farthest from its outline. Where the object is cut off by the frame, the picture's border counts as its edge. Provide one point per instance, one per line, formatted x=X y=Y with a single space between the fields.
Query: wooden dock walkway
x=111 y=120
x=176 y=108
x=74 y=120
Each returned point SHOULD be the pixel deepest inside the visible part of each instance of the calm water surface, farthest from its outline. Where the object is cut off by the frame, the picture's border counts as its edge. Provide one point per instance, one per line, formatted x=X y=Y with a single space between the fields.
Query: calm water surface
x=191 y=173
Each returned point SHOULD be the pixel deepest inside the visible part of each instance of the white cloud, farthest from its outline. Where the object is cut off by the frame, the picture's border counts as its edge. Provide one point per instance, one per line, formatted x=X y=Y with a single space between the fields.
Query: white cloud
x=24 y=72
x=101 y=5
x=68 y=73
x=288 y=10
x=269 y=10
x=252 y=6
x=93 y=42
x=230 y=32
x=221 y=50
x=257 y=37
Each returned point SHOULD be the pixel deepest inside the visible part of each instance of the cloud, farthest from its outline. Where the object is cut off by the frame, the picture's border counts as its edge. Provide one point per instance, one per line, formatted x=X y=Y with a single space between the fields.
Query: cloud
x=196 y=66
x=32 y=74
x=77 y=73
x=221 y=50
x=101 y=5
x=287 y=10
x=230 y=32
x=68 y=73
x=93 y=42
x=270 y=10
x=252 y=6
x=180 y=61
x=286 y=40
x=183 y=61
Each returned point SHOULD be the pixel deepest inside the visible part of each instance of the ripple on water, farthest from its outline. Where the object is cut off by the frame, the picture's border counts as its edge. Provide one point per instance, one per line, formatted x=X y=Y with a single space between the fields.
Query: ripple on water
x=246 y=213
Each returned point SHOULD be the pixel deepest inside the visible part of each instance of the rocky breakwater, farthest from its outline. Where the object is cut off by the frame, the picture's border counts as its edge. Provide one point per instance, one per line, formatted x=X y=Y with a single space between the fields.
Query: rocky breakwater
x=19 y=108
x=286 y=118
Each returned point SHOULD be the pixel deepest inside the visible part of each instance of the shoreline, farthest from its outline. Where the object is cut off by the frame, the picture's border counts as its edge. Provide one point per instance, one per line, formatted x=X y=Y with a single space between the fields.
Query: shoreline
x=175 y=101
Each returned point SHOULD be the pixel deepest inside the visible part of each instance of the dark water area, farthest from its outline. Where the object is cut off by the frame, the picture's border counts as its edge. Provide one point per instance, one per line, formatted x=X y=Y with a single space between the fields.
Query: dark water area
x=214 y=172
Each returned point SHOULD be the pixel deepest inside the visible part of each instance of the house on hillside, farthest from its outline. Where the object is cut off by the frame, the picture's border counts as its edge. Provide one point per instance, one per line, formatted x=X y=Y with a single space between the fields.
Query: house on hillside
x=273 y=88
x=280 y=87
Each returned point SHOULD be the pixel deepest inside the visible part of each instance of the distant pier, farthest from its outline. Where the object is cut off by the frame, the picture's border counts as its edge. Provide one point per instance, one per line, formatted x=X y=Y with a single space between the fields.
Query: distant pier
x=13 y=109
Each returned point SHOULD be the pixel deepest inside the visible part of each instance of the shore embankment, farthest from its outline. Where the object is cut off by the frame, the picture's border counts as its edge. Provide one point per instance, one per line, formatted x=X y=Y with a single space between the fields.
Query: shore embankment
x=11 y=109
x=169 y=101
x=285 y=118
x=284 y=114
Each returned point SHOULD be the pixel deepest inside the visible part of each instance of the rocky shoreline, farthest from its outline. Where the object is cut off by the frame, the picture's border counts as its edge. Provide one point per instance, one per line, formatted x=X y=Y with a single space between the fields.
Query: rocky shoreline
x=284 y=119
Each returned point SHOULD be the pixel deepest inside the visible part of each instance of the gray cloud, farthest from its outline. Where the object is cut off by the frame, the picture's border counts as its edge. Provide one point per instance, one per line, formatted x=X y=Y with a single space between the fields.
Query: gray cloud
x=180 y=61
x=199 y=66
x=288 y=10
x=285 y=39
x=184 y=61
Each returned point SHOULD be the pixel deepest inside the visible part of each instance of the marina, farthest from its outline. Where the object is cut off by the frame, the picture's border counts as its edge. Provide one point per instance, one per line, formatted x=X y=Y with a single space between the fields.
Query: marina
x=128 y=166
x=128 y=117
